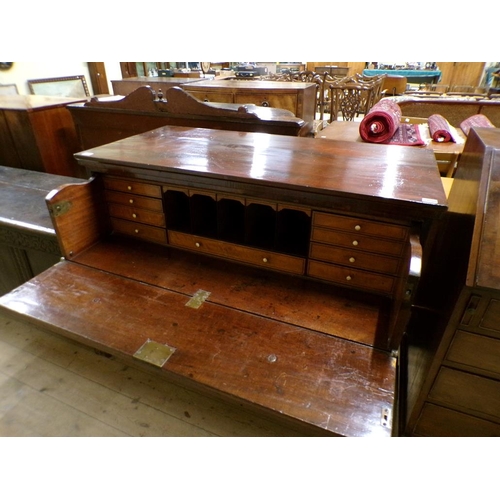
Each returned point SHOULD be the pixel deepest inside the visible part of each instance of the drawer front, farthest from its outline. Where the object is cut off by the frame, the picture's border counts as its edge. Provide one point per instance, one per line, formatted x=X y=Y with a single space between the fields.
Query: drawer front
x=211 y=96
x=356 y=259
x=357 y=241
x=137 y=215
x=133 y=200
x=436 y=421
x=263 y=258
x=362 y=280
x=142 y=231
x=130 y=186
x=475 y=351
x=282 y=101
x=360 y=226
x=467 y=392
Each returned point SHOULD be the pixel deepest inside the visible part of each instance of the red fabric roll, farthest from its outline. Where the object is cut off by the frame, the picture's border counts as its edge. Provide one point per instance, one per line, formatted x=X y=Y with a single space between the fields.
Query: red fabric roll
x=439 y=128
x=475 y=121
x=381 y=122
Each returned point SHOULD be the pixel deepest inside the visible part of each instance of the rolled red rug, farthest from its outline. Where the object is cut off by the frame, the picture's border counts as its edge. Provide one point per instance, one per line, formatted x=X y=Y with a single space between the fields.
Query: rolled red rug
x=381 y=122
x=475 y=121
x=439 y=128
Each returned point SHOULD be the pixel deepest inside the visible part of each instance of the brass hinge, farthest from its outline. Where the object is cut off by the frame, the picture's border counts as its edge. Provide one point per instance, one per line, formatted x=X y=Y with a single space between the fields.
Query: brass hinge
x=60 y=208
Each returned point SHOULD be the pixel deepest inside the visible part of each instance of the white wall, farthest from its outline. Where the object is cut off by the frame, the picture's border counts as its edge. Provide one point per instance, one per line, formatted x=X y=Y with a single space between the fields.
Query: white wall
x=21 y=72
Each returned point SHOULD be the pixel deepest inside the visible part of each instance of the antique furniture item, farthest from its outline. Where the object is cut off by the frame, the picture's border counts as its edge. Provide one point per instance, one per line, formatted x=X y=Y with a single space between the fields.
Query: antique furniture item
x=103 y=120
x=275 y=270
x=460 y=392
x=157 y=83
x=38 y=133
x=28 y=243
x=297 y=97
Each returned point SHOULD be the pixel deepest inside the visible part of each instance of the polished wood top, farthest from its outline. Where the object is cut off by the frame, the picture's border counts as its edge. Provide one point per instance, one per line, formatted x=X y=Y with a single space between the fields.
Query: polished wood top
x=349 y=131
x=246 y=84
x=148 y=80
x=34 y=102
x=407 y=176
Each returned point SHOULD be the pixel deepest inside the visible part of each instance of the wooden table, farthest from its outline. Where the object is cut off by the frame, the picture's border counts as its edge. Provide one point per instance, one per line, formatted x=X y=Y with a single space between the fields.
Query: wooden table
x=297 y=97
x=273 y=271
x=447 y=154
x=157 y=83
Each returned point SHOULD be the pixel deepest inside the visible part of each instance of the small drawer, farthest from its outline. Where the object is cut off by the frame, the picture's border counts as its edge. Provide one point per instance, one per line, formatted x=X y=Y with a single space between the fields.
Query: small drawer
x=358 y=241
x=282 y=101
x=361 y=280
x=262 y=258
x=141 y=231
x=466 y=392
x=353 y=258
x=131 y=186
x=133 y=200
x=137 y=215
x=226 y=97
x=475 y=351
x=361 y=226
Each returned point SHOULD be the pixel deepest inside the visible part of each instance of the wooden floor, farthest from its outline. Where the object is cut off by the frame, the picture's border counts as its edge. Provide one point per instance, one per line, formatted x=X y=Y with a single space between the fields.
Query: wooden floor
x=51 y=386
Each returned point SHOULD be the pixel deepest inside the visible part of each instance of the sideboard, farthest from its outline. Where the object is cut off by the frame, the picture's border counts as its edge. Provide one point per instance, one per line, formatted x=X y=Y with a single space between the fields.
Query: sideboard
x=38 y=133
x=278 y=272
x=297 y=97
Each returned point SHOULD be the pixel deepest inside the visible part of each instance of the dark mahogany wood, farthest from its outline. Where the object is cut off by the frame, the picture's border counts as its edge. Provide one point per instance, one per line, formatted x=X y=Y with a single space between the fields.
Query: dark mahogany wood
x=332 y=384
x=104 y=120
x=454 y=373
x=285 y=341
x=38 y=133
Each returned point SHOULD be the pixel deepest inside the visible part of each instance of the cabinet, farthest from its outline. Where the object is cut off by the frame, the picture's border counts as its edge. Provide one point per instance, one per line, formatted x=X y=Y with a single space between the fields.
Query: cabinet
x=195 y=254
x=461 y=392
x=126 y=86
x=28 y=243
x=297 y=97
x=38 y=133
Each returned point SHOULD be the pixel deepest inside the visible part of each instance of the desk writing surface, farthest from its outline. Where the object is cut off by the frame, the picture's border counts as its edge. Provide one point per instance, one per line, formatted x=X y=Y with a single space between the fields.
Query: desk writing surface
x=405 y=175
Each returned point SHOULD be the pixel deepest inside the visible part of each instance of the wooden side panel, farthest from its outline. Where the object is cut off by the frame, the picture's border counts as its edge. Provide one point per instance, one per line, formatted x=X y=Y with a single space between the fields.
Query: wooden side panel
x=79 y=216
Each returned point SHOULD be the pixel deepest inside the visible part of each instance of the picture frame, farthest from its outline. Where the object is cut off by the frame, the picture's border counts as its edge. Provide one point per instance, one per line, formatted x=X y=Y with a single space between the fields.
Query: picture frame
x=64 y=86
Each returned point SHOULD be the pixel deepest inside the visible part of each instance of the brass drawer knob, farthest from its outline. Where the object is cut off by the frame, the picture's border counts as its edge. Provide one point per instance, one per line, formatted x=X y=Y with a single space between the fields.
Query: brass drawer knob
x=264 y=259
x=136 y=231
x=129 y=188
x=355 y=243
x=357 y=227
x=352 y=259
x=134 y=216
x=197 y=244
x=348 y=278
x=131 y=201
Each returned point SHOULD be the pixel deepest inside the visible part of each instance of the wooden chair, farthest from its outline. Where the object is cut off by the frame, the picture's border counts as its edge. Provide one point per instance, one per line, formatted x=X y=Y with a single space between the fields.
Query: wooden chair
x=349 y=98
